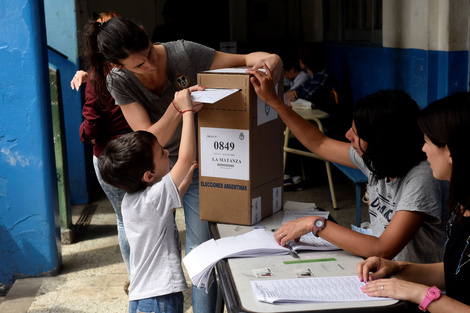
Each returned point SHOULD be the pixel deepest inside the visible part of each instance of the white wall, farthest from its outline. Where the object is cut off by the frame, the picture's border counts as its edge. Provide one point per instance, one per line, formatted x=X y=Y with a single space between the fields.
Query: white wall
x=426 y=24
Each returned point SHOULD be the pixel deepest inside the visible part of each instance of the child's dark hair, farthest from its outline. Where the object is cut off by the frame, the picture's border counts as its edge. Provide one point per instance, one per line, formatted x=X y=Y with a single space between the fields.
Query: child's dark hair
x=387 y=120
x=126 y=159
x=446 y=122
x=111 y=42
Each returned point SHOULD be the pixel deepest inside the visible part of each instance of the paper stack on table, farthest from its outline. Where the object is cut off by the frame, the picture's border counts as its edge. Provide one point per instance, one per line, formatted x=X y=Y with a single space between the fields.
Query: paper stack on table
x=317 y=289
x=201 y=260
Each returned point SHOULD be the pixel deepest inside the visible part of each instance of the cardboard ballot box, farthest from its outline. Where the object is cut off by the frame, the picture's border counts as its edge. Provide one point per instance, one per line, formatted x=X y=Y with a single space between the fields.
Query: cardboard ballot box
x=240 y=153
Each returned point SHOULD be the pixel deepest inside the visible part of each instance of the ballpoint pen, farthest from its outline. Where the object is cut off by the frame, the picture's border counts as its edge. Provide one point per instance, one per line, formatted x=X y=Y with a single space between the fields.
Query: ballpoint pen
x=292 y=251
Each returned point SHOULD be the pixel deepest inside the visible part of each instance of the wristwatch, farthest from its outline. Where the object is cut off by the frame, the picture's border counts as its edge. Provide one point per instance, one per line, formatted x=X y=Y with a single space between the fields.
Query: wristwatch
x=318 y=225
x=433 y=293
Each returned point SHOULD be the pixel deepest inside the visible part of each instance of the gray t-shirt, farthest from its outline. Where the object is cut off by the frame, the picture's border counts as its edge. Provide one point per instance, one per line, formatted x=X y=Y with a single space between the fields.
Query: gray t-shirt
x=417 y=191
x=184 y=60
x=154 y=241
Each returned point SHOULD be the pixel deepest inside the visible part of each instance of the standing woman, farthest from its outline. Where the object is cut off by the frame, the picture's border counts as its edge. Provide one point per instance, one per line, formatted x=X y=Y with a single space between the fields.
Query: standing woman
x=102 y=122
x=143 y=82
x=446 y=127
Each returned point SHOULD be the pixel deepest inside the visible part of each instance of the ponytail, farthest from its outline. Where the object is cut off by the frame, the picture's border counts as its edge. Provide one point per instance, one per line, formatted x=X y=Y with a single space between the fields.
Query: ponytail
x=111 y=42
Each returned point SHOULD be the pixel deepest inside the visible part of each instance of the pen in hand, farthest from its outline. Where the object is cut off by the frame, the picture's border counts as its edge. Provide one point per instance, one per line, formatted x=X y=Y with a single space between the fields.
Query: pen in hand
x=292 y=251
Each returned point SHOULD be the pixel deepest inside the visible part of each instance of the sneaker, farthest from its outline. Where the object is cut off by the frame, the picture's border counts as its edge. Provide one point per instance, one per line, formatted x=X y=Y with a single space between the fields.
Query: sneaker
x=296 y=180
x=287 y=180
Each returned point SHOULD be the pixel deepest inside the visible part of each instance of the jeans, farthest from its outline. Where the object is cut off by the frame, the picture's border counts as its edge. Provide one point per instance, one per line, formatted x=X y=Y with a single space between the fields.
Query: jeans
x=171 y=303
x=115 y=196
x=197 y=232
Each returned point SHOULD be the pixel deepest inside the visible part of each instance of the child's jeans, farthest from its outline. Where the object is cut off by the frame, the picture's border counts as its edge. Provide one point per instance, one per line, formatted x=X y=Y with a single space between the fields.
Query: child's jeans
x=171 y=303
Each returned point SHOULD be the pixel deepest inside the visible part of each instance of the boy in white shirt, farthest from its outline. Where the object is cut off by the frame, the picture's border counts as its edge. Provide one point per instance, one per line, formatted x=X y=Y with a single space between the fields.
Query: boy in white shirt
x=138 y=164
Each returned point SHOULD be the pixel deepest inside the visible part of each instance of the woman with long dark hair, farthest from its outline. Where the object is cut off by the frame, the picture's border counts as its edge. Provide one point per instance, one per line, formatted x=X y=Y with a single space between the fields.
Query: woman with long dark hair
x=143 y=83
x=385 y=144
x=446 y=127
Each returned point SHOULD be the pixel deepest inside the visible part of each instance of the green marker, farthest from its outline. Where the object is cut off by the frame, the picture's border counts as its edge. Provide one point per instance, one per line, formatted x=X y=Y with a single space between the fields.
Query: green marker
x=309 y=261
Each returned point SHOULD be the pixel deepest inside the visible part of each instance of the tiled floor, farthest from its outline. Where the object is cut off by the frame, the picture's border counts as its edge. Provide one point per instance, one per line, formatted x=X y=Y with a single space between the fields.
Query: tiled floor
x=93 y=274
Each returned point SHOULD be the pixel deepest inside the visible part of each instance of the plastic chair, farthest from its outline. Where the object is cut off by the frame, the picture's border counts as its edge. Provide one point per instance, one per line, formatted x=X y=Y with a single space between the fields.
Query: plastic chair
x=360 y=180
x=313 y=115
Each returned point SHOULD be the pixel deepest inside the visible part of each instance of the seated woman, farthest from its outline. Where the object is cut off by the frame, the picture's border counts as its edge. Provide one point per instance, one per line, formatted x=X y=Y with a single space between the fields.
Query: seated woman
x=405 y=200
x=446 y=127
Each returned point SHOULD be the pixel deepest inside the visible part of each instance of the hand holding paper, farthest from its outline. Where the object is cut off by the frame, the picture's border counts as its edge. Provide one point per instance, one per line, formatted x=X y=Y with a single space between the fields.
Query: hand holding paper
x=211 y=95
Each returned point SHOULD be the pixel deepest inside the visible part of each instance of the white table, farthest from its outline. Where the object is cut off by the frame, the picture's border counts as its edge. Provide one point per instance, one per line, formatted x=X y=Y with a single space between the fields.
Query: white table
x=235 y=276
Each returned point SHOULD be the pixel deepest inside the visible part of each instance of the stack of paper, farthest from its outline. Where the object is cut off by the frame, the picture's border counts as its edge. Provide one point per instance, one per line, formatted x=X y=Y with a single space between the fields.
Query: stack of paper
x=318 y=289
x=202 y=259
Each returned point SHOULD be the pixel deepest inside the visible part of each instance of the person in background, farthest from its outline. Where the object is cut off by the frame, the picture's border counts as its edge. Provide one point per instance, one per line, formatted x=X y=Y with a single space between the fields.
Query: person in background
x=322 y=89
x=102 y=122
x=143 y=81
x=294 y=76
x=317 y=86
x=385 y=144
x=137 y=163
x=446 y=127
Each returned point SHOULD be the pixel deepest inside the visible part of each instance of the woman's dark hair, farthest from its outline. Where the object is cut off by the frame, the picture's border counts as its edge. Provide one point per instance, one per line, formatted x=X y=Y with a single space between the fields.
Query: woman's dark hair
x=126 y=159
x=446 y=122
x=387 y=120
x=111 y=42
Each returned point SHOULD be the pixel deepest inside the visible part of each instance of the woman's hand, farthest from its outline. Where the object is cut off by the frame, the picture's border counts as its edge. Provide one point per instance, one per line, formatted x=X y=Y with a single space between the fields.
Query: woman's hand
x=291 y=95
x=295 y=229
x=80 y=78
x=274 y=62
x=397 y=289
x=196 y=88
x=379 y=267
x=263 y=84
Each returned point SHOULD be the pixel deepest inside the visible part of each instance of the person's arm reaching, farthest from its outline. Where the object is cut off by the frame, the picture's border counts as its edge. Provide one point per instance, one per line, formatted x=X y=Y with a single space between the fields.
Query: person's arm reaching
x=401 y=229
x=312 y=138
x=138 y=119
x=181 y=173
x=255 y=59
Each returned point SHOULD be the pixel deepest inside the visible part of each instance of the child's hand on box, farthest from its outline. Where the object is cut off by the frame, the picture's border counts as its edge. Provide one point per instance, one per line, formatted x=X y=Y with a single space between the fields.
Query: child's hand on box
x=182 y=101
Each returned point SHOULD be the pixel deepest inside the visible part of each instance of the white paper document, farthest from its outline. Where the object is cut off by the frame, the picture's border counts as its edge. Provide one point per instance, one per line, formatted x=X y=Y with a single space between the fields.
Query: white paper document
x=234 y=70
x=293 y=214
x=211 y=95
x=200 y=261
x=315 y=289
x=299 y=206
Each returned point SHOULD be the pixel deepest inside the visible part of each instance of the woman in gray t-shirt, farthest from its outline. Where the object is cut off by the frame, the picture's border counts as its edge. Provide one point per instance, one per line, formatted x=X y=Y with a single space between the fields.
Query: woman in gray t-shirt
x=406 y=201
x=143 y=82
